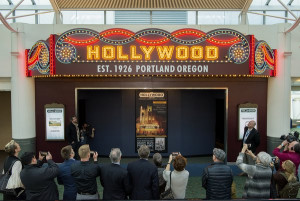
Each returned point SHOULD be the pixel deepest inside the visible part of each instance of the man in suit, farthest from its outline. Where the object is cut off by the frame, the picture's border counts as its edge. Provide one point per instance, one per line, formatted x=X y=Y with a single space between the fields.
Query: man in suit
x=143 y=177
x=73 y=135
x=252 y=138
x=114 y=178
x=37 y=179
x=65 y=178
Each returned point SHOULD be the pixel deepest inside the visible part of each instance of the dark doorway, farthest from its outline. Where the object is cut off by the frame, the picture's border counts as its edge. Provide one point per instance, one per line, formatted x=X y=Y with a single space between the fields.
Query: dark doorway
x=196 y=119
x=220 y=123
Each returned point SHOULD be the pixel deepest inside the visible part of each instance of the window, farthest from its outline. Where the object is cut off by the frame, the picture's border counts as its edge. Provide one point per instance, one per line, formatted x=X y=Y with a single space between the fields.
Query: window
x=27 y=19
x=46 y=18
x=169 y=17
x=254 y=19
x=132 y=17
x=273 y=20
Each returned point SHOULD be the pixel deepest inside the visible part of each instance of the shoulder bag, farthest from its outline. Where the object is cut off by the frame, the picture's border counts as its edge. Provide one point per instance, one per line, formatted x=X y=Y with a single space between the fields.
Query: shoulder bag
x=4 y=180
x=168 y=194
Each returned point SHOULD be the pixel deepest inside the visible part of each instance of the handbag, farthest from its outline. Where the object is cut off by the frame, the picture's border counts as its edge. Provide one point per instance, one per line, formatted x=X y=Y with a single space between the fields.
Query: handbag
x=4 y=180
x=168 y=194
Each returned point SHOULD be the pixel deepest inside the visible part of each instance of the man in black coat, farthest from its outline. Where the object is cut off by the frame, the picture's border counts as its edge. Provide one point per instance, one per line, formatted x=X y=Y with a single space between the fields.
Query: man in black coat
x=143 y=177
x=252 y=138
x=114 y=178
x=217 y=178
x=73 y=134
x=39 y=180
x=85 y=173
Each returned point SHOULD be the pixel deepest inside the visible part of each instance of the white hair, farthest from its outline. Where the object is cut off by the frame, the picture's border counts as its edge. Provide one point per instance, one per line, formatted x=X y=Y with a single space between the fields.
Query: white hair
x=115 y=155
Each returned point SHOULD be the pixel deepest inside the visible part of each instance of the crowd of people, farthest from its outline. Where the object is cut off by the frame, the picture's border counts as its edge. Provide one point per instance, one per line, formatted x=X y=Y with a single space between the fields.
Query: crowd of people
x=267 y=177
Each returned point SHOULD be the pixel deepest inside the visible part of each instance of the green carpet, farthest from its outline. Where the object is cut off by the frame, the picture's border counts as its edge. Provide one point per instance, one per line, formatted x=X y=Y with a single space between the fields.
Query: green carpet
x=194 y=189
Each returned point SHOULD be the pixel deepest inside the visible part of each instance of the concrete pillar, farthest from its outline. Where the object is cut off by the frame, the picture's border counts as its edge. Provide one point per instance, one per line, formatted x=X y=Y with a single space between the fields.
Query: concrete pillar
x=58 y=18
x=243 y=18
x=22 y=95
x=279 y=90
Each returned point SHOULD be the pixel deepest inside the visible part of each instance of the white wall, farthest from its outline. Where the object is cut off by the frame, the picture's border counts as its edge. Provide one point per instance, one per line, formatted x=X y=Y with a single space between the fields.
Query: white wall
x=295 y=58
x=5 y=49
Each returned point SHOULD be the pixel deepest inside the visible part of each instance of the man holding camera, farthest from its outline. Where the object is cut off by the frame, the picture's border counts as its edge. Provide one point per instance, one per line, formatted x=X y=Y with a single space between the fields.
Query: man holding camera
x=85 y=174
x=37 y=179
x=291 y=151
x=86 y=133
x=252 y=139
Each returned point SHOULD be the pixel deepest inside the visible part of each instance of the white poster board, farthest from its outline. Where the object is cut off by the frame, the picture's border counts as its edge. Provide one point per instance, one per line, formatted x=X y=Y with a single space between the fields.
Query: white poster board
x=246 y=115
x=55 y=123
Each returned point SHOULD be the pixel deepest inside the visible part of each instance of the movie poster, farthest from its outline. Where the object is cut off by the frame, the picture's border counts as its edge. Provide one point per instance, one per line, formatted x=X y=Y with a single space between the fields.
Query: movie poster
x=246 y=115
x=55 y=129
x=151 y=120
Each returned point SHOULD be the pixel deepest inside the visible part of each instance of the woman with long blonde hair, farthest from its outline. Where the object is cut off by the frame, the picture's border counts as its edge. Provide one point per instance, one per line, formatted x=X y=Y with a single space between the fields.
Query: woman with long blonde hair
x=12 y=161
x=288 y=174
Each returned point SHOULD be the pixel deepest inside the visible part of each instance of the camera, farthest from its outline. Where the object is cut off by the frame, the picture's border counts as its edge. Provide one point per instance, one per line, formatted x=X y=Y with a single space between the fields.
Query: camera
x=291 y=137
x=44 y=153
x=249 y=146
x=92 y=154
x=174 y=154
x=273 y=159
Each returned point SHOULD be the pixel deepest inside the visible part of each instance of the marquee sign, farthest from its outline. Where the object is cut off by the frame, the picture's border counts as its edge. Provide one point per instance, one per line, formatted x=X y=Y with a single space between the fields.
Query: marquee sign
x=151 y=52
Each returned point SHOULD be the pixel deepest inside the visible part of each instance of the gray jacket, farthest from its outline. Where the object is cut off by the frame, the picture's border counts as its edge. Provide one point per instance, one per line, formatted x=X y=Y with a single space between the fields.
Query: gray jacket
x=259 y=179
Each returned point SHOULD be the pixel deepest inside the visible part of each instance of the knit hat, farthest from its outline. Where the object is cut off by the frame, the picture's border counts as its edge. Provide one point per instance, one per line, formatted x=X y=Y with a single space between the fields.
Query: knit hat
x=264 y=158
x=219 y=154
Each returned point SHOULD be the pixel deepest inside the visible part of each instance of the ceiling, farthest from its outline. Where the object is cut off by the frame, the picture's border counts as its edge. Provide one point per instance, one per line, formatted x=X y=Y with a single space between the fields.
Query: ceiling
x=149 y=4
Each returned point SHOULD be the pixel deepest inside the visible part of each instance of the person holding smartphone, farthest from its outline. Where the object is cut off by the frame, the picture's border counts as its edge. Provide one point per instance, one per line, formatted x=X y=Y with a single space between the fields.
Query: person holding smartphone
x=179 y=177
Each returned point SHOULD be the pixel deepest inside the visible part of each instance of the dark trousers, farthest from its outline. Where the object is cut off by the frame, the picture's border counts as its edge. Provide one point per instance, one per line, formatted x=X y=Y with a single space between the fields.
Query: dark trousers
x=21 y=196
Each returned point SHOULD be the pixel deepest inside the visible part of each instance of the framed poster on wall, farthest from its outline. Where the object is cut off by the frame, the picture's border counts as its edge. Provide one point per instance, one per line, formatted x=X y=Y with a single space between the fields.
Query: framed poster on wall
x=55 y=122
x=151 y=120
x=247 y=112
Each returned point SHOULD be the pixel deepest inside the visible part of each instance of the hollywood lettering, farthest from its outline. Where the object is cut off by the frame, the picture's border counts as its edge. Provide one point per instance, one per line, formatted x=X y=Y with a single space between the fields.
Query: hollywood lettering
x=109 y=52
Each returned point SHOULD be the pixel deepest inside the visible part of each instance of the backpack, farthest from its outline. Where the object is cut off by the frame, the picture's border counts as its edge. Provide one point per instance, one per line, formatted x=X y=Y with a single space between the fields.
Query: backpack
x=290 y=190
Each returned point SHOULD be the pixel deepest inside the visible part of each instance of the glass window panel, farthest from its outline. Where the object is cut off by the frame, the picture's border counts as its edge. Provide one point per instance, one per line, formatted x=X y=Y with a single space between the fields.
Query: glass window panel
x=42 y=2
x=169 y=17
x=27 y=19
x=296 y=3
x=255 y=19
x=297 y=13
x=69 y=17
x=273 y=20
x=90 y=17
x=132 y=17
x=4 y=12
x=46 y=18
x=232 y=17
x=110 y=17
x=4 y=2
x=25 y=2
x=276 y=3
x=191 y=17
x=211 y=17
x=258 y=3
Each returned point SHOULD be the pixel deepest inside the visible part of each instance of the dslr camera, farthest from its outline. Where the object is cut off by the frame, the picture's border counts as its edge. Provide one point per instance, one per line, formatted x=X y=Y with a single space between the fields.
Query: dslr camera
x=44 y=153
x=273 y=159
x=291 y=137
x=174 y=154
